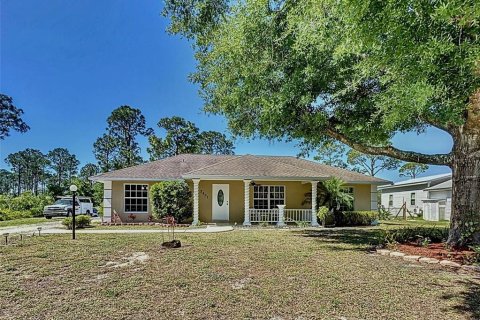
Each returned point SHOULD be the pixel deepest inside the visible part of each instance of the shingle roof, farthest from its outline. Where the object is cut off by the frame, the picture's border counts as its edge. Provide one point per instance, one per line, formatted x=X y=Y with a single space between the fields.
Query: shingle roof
x=423 y=180
x=241 y=167
x=164 y=169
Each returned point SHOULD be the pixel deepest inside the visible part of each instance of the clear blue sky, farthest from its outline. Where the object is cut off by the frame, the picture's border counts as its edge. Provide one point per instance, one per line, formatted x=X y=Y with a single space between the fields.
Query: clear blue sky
x=69 y=63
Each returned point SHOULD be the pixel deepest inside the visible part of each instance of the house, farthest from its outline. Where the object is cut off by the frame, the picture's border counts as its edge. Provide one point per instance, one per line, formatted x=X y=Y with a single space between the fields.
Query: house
x=430 y=196
x=240 y=189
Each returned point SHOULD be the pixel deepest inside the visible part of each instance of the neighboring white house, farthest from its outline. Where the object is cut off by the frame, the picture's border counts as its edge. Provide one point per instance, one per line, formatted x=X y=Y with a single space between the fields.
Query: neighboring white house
x=430 y=196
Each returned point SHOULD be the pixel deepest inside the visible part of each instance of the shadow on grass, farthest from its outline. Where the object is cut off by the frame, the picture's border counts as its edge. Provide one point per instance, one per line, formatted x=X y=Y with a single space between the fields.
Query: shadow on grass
x=471 y=299
x=357 y=237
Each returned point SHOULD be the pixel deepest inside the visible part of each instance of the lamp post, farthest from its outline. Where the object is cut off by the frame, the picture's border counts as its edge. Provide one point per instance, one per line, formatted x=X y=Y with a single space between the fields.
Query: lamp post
x=73 y=189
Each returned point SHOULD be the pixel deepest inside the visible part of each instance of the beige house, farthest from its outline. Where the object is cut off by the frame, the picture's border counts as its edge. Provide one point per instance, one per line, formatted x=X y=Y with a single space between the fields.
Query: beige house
x=242 y=189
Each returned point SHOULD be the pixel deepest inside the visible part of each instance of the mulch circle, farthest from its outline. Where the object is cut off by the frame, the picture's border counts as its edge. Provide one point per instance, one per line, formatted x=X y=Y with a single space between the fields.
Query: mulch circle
x=437 y=251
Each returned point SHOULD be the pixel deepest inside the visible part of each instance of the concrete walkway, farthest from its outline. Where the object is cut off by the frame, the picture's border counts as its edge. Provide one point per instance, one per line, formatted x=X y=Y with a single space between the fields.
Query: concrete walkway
x=57 y=228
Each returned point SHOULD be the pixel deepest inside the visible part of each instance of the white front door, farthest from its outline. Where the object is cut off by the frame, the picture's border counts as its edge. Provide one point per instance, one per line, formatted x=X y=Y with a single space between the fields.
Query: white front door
x=220 y=202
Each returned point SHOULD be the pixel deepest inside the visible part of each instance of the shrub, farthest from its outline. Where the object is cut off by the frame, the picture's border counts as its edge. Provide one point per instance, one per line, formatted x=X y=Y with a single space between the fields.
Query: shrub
x=81 y=221
x=27 y=201
x=355 y=218
x=171 y=198
x=7 y=214
x=419 y=235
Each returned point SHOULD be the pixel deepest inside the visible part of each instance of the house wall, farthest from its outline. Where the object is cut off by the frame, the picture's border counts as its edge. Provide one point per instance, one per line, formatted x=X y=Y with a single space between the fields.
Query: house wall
x=362 y=194
x=118 y=203
x=440 y=194
x=294 y=197
x=402 y=194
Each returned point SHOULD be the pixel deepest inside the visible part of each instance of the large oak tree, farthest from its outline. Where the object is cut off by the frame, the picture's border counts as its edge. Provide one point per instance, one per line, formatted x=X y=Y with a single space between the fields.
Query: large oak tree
x=358 y=71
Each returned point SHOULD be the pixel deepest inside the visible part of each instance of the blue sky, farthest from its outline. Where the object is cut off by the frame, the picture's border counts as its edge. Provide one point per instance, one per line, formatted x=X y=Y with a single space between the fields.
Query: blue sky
x=69 y=63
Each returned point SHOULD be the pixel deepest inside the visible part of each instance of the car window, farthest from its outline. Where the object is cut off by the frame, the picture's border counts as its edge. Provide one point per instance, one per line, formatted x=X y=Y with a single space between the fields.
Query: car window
x=67 y=202
x=85 y=200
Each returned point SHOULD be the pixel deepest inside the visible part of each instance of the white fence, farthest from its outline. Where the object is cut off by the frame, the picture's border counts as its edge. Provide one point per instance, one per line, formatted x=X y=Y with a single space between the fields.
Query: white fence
x=272 y=215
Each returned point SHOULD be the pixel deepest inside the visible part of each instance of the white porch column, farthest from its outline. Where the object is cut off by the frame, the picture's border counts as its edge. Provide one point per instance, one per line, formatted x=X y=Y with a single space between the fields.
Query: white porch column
x=107 y=201
x=246 y=219
x=195 y=201
x=281 y=215
x=314 y=204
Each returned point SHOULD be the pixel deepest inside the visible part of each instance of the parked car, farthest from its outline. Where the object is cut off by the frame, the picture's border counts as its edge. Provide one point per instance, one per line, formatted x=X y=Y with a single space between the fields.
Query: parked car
x=63 y=207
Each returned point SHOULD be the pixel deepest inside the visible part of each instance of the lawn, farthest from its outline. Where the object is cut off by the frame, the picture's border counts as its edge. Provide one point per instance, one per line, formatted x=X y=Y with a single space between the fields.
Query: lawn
x=261 y=274
x=25 y=221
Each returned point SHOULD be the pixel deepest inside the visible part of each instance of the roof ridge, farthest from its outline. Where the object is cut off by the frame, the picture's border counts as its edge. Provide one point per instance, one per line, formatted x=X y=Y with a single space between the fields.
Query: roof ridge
x=213 y=164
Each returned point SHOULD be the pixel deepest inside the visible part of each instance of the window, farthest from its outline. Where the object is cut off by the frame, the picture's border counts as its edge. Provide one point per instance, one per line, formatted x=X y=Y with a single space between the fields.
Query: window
x=268 y=197
x=390 y=200
x=412 y=198
x=136 y=198
x=348 y=206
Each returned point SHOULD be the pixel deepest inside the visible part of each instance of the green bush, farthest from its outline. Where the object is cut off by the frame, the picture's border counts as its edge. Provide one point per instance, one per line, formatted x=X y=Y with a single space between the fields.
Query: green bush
x=27 y=201
x=355 y=218
x=7 y=214
x=414 y=234
x=171 y=198
x=81 y=221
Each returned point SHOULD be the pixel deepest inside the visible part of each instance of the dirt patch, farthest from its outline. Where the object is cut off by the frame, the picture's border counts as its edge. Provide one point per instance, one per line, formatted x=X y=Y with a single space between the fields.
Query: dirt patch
x=240 y=284
x=437 y=251
x=140 y=257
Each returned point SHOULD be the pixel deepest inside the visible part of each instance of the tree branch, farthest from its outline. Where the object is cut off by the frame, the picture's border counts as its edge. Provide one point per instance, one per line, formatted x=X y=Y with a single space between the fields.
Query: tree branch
x=411 y=156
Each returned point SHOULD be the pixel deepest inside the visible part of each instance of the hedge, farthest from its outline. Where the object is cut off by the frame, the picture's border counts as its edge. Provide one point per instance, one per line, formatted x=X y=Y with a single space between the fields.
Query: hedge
x=355 y=218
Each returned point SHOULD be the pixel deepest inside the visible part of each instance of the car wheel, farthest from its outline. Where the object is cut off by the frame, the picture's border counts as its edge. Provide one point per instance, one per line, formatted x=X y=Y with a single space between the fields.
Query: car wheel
x=69 y=213
x=48 y=217
x=88 y=213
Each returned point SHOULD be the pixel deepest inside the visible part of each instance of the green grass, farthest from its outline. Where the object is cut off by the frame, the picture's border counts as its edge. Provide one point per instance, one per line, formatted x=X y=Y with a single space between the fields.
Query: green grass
x=19 y=222
x=261 y=274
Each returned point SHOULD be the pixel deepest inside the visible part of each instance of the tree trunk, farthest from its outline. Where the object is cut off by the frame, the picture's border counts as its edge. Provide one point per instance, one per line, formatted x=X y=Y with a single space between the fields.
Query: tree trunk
x=465 y=219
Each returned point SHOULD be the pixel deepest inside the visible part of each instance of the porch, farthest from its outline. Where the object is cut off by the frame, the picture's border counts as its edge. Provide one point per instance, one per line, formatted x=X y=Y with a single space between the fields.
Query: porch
x=250 y=202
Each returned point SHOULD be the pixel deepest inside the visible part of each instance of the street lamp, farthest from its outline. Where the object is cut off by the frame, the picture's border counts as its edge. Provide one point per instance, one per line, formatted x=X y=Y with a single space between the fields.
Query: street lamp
x=73 y=189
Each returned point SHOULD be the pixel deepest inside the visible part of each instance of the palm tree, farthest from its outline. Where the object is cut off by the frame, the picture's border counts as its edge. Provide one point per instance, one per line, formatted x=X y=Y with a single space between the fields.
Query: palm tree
x=334 y=194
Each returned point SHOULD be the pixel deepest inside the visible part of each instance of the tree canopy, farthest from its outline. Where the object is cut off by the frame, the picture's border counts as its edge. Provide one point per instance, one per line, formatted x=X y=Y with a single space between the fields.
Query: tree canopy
x=412 y=169
x=124 y=125
x=183 y=136
x=10 y=117
x=358 y=71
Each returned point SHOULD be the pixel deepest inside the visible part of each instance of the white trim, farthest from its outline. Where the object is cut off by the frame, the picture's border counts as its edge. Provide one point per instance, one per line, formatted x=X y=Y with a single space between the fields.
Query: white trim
x=196 y=199
x=106 y=179
x=246 y=203
x=261 y=178
x=314 y=220
x=124 y=198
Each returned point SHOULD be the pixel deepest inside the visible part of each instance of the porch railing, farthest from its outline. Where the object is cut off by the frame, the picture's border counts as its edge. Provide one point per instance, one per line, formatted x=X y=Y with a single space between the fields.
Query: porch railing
x=263 y=215
x=272 y=215
x=298 y=215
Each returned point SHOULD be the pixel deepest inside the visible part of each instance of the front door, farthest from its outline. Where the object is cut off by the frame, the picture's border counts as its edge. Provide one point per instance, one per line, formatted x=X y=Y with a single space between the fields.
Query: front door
x=220 y=202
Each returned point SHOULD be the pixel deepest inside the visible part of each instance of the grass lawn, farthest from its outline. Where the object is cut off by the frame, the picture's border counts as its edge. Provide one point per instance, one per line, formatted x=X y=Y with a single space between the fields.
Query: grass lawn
x=19 y=222
x=262 y=274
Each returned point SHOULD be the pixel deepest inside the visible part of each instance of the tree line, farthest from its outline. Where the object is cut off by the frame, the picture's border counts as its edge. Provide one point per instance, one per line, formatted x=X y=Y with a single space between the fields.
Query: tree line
x=117 y=148
x=337 y=154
